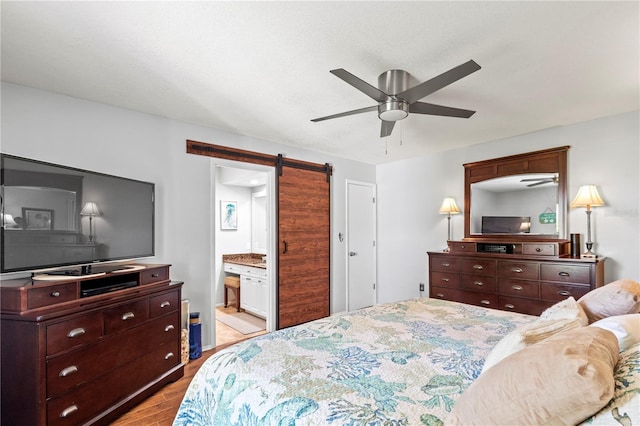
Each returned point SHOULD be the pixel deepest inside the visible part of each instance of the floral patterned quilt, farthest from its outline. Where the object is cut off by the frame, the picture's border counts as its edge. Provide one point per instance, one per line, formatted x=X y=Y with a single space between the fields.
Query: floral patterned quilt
x=402 y=363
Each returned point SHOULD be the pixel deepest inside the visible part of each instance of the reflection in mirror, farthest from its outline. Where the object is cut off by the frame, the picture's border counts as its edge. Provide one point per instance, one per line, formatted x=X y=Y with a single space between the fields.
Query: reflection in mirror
x=60 y=202
x=531 y=195
x=259 y=222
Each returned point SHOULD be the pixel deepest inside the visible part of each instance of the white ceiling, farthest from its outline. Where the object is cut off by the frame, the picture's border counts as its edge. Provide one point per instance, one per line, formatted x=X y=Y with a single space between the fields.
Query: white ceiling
x=262 y=68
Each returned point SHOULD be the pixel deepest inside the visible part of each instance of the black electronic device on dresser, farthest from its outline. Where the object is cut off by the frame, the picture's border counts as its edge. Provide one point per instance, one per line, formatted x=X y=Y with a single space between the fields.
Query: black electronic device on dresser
x=86 y=349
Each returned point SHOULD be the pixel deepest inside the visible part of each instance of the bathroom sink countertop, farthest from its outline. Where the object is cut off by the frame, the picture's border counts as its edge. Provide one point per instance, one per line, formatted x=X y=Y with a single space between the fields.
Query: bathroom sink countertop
x=246 y=259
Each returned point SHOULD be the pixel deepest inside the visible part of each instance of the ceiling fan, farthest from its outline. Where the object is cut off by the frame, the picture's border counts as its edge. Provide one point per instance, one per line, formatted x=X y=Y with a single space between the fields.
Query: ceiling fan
x=396 y=100
x=541 y=180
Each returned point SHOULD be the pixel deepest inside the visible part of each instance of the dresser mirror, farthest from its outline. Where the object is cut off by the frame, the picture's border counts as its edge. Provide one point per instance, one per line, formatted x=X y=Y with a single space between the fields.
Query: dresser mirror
x=520 y=197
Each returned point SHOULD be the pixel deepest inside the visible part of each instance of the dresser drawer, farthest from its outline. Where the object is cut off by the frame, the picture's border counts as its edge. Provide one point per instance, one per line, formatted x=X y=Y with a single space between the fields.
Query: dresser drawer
x=153 y=275
x=82 y=365
x=524 y=306
x=74 y=332
x=519 y=288
x=565 y=273
x=481 y=283
x=126 y=316
x=79 y=405
x=38 y=297
x=462 y=296
x=445 y=264
x=462 y=247
x=479 y=266
x=518 y=270
x=445 y=279
x=540 y=249
x=163 y=304
x=557 y=292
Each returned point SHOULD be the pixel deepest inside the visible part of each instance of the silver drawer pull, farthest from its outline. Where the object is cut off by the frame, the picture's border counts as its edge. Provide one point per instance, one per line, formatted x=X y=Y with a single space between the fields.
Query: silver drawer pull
x=127 y=316
x=517 y=270
x=509 y=306
x=55 y=294
x=69 y=411
x=564 y=293
x=169 y=328
x=76 y=332
x=485 y=302
x=155 y=275
x=169 y=355
x=462 y=246
x=165 y=304
x=516 y=287
x=440 y=295
x=478 y=283
x=446 y=280
x=538 y=249
x=478 y=267
x=68 y=370
x=446 y=265
x=564 y=274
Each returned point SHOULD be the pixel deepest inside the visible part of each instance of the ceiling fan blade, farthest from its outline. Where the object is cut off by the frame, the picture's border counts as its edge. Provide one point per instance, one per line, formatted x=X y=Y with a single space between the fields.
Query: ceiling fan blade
x=386 y=128
x=431 y=109
x=369 y=90
x=428 y=87
x=344 y=114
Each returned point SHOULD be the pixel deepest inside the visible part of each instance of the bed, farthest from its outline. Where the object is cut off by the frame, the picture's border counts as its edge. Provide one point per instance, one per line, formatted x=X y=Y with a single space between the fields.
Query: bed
x=403 y=363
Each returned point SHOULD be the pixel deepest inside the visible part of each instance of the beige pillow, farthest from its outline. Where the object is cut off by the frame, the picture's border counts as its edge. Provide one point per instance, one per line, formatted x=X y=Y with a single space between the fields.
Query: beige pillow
x=543 y=329
x=617 y=298
x=561 y=380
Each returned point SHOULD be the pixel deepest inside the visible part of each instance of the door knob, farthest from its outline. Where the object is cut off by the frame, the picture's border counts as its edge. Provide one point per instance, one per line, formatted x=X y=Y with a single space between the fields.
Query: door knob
x=353 y=253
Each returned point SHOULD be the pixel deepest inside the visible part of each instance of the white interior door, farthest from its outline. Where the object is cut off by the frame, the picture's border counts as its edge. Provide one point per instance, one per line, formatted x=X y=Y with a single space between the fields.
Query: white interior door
x=361 y=245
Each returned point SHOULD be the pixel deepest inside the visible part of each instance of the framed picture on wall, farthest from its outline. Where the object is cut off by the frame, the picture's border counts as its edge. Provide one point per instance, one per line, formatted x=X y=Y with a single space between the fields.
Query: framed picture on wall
x=229 y=214
x=37 y=219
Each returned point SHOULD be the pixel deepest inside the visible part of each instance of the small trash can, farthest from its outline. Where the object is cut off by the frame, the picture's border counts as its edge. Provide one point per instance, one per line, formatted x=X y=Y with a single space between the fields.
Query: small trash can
x=195 y=336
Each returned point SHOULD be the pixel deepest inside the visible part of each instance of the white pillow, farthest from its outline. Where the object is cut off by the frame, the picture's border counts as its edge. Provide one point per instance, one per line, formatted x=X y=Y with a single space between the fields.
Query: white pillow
x=625 y=327
x=566 y=309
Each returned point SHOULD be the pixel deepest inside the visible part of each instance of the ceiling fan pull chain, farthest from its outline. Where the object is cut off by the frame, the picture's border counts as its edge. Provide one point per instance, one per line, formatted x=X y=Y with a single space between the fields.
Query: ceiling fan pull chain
x=401 y=127
x=386 y=146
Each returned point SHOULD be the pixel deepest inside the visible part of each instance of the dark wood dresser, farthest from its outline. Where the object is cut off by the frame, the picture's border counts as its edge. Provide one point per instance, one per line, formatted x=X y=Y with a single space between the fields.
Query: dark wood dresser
x=84 y=350
x=525 y=277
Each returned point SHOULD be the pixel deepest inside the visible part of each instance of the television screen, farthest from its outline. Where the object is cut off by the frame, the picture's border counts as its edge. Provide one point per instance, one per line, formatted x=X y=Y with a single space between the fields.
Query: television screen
x=55 y=216
x=506 y=224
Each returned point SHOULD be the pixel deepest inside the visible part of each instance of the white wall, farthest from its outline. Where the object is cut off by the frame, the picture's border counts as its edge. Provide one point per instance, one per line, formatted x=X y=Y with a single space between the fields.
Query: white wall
x=604 y=152
x=64 y=130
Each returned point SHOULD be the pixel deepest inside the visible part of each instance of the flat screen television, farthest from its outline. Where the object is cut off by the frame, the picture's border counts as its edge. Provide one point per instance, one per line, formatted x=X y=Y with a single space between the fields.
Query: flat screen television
x=55 y=216
x=506 y=224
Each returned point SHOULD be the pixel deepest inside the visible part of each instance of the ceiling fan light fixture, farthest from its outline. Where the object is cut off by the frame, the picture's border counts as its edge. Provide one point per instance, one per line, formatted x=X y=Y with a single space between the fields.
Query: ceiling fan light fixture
x=393 y=110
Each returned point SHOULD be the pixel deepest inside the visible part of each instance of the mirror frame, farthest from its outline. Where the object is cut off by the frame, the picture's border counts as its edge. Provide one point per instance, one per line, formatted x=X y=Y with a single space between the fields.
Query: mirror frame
x=553 y=160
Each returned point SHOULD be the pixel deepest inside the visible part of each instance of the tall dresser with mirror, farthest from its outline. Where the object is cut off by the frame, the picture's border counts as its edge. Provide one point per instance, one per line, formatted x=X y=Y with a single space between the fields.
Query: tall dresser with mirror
x=515 y=254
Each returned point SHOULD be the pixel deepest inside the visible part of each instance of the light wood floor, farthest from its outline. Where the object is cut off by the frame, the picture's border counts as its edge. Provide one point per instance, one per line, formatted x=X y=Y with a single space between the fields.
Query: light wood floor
x=160 y=409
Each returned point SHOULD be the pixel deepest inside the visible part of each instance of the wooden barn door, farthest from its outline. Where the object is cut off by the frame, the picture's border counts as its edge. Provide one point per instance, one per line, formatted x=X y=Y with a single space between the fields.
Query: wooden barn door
x=303 y=238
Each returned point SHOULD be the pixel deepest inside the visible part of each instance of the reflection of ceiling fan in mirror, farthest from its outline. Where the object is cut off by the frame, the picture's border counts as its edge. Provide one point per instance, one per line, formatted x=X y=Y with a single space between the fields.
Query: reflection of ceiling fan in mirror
x=541 y=180
x=396 y=99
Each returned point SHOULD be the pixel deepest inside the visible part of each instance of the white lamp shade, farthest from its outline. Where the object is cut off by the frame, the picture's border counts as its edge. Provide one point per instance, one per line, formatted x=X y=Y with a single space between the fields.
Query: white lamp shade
x=8 y=220
x=449 y=207
x=90 y=209
x=587 y=197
